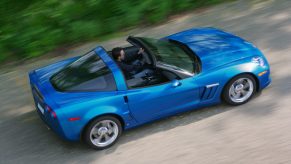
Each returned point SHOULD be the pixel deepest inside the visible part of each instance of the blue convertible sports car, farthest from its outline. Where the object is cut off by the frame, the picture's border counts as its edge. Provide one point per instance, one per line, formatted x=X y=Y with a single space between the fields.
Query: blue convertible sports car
x=89 y=97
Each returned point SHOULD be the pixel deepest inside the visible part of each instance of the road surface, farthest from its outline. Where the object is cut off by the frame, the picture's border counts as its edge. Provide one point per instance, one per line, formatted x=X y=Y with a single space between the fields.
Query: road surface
x=257 y=132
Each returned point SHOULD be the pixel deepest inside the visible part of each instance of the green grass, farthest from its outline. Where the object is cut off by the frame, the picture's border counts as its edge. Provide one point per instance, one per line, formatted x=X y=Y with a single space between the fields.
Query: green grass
x=31 y=28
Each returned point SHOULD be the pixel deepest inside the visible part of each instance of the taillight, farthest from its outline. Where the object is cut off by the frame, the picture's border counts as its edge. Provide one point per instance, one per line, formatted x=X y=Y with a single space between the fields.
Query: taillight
x=51 y=112
x=48 y=109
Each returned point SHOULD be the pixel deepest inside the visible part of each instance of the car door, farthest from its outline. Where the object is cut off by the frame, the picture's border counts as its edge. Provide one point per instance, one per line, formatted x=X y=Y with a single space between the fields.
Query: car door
x=153 y=102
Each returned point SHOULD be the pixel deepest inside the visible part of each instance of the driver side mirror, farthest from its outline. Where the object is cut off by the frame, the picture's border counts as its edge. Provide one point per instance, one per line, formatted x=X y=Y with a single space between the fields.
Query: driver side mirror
x=176 y=83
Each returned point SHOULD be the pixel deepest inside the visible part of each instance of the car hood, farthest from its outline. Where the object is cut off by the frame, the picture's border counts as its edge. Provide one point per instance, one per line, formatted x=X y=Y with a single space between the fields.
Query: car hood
x=215 y=47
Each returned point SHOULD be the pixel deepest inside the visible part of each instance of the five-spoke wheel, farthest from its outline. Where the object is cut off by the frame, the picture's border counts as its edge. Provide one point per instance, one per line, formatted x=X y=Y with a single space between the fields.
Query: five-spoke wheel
x=239 y=90
x=103 y=132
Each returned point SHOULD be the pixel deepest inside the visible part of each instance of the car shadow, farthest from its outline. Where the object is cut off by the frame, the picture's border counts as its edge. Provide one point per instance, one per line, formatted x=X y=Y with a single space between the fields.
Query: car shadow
x=169 y=123
x=27 y=136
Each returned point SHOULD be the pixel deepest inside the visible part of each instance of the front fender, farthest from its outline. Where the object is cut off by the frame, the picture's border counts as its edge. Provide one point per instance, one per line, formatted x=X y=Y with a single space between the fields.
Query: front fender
x=246 y=66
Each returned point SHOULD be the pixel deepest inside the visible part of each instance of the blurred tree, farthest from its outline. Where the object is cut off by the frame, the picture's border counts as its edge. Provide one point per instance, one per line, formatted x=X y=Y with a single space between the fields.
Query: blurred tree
x=30 y=28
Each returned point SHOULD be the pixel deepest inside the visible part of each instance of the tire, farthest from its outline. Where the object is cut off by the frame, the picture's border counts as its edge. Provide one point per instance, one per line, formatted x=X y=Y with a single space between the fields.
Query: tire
x=102 y=132
x=239 y=89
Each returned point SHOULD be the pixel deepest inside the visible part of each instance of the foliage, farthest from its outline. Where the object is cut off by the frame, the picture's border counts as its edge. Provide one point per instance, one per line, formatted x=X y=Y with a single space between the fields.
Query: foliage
x=31 y=28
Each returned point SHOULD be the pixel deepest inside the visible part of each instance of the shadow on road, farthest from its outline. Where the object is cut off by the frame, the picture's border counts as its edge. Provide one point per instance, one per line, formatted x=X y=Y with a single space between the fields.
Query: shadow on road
x=29 y=137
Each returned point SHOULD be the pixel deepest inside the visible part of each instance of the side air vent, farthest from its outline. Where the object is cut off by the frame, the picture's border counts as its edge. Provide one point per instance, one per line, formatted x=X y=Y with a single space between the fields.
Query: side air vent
x=209 y=91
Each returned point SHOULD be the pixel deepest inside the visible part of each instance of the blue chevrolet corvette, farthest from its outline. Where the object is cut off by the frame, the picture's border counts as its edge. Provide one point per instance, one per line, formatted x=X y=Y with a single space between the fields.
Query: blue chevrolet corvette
x=90 y=97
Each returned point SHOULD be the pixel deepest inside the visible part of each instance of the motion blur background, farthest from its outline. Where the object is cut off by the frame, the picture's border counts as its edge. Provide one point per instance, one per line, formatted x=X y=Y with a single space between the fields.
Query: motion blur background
x=30 y=28
x=256 y=132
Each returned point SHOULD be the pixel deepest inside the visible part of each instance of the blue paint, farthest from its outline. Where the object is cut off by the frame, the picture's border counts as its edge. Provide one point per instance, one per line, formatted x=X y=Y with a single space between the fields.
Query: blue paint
x=222 y=56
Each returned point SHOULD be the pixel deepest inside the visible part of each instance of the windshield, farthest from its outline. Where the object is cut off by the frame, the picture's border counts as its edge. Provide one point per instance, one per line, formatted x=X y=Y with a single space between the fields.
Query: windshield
x=171 y=54
x=88 y=73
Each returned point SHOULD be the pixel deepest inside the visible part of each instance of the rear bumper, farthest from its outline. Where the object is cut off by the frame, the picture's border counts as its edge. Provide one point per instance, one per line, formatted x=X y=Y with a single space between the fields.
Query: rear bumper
x=56 y=128
x=55 y=124
x=58 y=124
x=51 y=122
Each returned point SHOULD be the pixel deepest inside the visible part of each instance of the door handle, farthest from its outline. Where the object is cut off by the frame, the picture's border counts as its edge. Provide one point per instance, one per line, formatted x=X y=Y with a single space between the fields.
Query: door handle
x=176 y=83
x=125 y=99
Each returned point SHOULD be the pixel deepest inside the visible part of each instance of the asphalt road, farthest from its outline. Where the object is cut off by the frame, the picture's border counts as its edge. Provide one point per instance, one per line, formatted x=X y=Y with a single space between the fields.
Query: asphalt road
x=257 y=132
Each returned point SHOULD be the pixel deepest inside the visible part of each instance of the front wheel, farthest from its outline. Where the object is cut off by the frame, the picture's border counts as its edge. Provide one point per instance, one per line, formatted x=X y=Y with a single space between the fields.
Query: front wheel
x=102 y=132
x=239 y=90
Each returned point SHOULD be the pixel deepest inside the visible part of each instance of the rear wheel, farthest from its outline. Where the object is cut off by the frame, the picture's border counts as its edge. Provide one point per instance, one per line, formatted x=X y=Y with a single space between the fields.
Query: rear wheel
x=102 y=132
x=239 y=90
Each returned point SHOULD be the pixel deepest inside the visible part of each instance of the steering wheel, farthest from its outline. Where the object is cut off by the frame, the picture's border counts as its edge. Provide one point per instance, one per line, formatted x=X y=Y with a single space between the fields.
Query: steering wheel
x=145 y=59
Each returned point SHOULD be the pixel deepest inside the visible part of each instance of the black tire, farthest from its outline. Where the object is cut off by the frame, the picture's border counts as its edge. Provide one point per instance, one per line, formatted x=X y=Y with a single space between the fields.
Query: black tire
x=92 y=124
x=226 y=91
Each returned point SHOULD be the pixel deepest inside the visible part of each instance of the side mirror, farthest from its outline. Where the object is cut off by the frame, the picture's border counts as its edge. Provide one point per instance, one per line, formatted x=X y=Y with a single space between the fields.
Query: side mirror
x=176 y=83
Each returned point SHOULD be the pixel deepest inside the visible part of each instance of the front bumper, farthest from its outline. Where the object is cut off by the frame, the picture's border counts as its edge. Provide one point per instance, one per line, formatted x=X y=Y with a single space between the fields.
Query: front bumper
x=265 y=79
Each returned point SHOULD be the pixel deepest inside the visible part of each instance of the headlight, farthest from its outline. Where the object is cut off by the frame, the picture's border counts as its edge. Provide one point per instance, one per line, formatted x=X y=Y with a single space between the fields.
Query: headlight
x=259 y=61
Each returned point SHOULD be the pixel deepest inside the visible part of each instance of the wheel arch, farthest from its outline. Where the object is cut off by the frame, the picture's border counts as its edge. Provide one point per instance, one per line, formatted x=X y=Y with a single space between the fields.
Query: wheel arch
x=243 y=73
x=102 y=115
